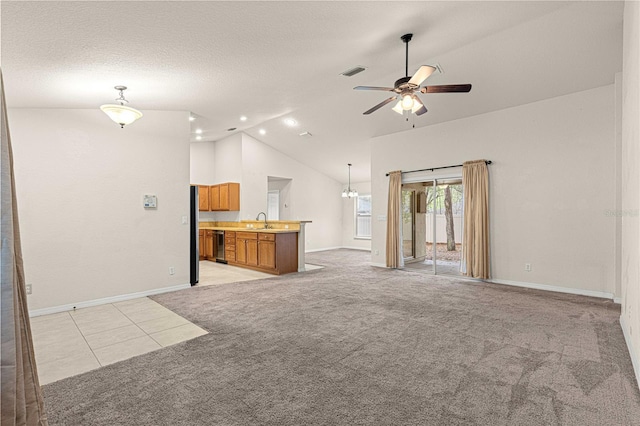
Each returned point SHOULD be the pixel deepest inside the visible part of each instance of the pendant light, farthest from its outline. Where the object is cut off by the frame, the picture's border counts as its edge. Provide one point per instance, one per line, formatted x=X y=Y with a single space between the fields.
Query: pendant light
x=348 y=193
x=121 y=114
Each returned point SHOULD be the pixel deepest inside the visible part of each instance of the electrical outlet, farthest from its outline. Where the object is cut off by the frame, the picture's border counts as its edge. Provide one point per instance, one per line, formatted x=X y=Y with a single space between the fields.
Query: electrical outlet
x=184 y=220
x=527 y=267
x=28 y=288
x=377 y=252
x=172 y=270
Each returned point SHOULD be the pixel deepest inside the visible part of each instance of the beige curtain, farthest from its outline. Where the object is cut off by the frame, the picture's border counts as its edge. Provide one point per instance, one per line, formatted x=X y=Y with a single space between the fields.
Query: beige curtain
x=394 y=221
x=475 y=242
x=21 y=402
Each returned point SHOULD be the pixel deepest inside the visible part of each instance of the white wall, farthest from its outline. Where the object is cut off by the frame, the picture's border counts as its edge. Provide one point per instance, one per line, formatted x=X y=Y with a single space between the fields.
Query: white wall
x=202 y=159
x=348 y=218
x=313 y=196
x=228 y=168
x=80 y=180
x=551 y=181
x=630 y=318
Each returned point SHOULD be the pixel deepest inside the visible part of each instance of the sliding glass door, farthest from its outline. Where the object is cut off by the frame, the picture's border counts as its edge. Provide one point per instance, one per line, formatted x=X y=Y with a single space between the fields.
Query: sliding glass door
x=435 y=213
x=408 y=224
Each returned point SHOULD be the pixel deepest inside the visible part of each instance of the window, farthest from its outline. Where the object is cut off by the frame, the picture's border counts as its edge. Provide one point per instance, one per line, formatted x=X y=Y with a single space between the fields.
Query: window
x=363 y=216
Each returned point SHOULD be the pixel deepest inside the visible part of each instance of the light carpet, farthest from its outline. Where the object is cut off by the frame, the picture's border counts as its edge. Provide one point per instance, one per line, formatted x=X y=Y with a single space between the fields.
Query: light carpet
x=351 y=344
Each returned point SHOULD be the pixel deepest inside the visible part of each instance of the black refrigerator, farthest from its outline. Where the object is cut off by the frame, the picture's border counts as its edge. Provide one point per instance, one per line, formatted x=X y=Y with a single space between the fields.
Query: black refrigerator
x=194 y=240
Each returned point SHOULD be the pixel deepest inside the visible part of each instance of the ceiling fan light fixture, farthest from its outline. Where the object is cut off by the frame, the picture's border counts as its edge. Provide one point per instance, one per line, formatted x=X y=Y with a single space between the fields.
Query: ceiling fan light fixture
x=398 y=108
x=407 y=102
x=121 y=114
x=416 y=104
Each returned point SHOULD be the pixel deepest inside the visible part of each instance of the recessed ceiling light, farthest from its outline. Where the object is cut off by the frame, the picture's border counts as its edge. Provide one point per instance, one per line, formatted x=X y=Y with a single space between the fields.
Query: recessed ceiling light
x=198 y=138
x=243 y=118
x=191 y=118
x=199 y=131
x=290 y=122
x=262 y=131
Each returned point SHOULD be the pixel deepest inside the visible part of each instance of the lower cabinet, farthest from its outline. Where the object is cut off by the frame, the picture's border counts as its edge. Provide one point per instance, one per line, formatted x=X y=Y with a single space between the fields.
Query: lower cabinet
x=201 y=243
x=267 y=252
x=209 y=242
x=230 y=246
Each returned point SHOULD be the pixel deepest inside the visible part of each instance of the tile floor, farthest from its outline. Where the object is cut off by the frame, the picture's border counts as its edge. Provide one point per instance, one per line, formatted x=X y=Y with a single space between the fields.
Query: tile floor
x=73 y=342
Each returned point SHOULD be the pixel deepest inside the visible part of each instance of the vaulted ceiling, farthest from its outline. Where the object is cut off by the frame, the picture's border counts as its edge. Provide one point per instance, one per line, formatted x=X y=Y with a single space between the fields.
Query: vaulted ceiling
x=271 y=60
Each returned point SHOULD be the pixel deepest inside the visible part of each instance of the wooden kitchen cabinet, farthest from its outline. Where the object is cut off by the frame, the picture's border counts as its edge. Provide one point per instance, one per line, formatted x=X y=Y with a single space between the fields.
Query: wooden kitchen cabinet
x=201 y=243
x=267 y=252
x=209 y=243
x=214 y=197
x=225 y=197
x=247 y=248
x=230 y=246
x=203 y=198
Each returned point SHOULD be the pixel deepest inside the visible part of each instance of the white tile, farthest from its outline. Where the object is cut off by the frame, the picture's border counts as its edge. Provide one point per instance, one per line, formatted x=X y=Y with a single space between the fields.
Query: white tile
x=45 y=319
x=149 y=313
x=116 y=335
x=78 y=363
x=178 y=334
x=134 y=303
x=125 y=350
x=61 y=349
x=162 y=323
x=100 y=320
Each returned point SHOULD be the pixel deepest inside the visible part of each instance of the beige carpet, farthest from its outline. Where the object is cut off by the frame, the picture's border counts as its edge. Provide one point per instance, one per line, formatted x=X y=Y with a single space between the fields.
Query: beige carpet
x=351 y=344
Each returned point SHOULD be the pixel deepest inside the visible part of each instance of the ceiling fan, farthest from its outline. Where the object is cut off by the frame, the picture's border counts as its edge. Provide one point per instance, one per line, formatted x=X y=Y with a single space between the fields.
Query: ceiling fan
x=406 y=87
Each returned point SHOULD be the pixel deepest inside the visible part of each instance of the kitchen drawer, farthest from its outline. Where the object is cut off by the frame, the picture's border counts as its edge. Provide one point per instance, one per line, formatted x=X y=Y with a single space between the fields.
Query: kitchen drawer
x=247 y=235
x=230 y=234
x=266 y=237
x=229 y=255
x=229 y=241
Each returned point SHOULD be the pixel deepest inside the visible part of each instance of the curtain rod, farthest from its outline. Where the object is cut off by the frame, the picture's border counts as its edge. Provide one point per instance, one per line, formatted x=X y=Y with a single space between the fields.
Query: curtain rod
x=437 y=168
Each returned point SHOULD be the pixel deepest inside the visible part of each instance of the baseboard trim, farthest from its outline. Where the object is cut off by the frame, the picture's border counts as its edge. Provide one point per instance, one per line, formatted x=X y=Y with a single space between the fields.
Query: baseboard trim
x=323 y=249
x=336 y=248
x=379 y=265
x=105 y=300
x=356 y=248
x=546 y=287
x=632 y=353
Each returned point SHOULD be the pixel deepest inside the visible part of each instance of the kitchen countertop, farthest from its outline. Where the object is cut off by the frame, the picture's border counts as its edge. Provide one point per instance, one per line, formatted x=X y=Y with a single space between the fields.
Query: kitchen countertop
x=241 y=229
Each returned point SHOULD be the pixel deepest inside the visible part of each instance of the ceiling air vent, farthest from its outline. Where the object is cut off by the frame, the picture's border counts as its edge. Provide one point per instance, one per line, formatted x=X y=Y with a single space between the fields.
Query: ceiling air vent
x=353 y=71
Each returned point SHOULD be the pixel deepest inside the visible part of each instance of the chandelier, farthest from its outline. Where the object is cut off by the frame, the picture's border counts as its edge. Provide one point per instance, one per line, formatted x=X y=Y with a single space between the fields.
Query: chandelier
x=348 y=193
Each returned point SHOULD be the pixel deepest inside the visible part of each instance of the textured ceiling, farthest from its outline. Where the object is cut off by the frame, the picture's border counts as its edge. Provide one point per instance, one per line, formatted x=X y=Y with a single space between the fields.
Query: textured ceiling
x=272 y=60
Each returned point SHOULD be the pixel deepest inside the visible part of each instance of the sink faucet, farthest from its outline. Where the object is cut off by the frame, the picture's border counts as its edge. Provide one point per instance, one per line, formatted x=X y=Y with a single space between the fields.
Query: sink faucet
x=266 y=226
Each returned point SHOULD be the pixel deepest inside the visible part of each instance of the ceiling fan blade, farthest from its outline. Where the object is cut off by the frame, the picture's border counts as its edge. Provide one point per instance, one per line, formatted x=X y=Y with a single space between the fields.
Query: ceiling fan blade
x=447 y=88
x=380 y=105
x=422 y=74
x=386 y=89
x=423 y=108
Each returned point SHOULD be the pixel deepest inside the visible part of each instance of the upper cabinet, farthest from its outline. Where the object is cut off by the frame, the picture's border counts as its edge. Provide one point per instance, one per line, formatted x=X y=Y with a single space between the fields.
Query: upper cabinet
x=203 y=198
x=221 y=197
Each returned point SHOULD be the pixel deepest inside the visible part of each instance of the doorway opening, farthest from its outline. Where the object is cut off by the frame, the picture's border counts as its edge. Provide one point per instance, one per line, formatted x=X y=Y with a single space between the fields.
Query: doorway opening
x=432 y=225
x=278 y=198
